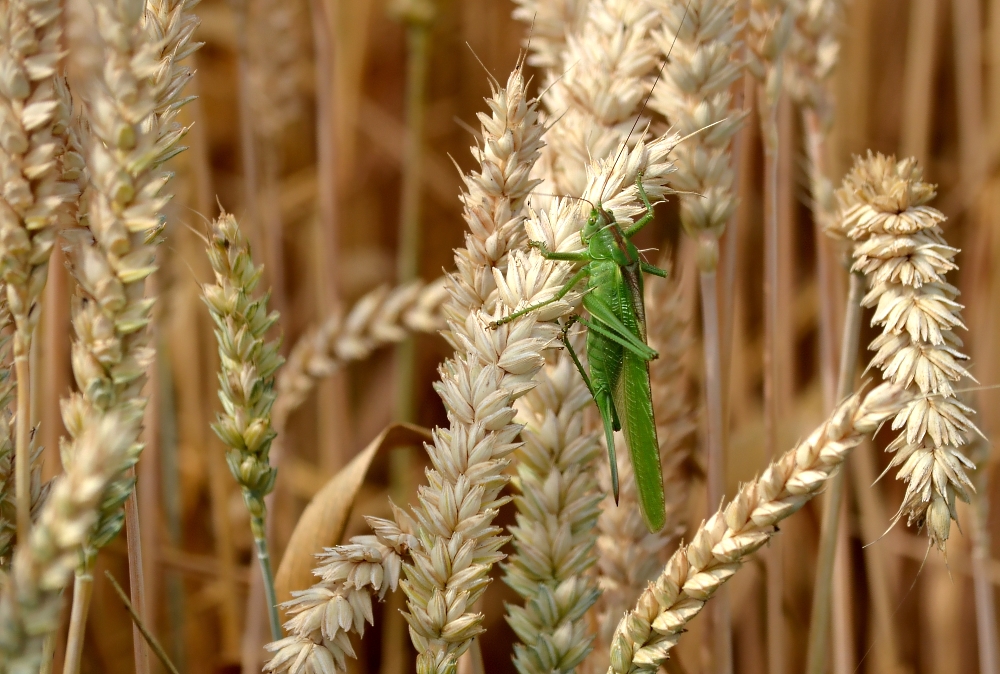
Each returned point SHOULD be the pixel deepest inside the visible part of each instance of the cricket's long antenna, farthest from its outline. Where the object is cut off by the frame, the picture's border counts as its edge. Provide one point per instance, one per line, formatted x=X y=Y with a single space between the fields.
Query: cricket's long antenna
x=659 y=74
x=563 y=196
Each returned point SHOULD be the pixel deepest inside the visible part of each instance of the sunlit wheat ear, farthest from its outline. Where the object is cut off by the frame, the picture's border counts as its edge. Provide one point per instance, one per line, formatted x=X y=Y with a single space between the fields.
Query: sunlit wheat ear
x=721 y=545
x=35 y=109
x=900 y=247
x=702 y=40
x=383 y=316
x=451 y=539
x=550 y=21
x=630 y=556
x=769 y=29
x=595 y=92
x=324 y=616
x=32 y=599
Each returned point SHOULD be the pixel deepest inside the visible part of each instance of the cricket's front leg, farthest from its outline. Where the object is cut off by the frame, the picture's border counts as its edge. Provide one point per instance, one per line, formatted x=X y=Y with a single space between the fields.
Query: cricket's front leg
x=648 y=217
x=543 y=248
x=577 y=277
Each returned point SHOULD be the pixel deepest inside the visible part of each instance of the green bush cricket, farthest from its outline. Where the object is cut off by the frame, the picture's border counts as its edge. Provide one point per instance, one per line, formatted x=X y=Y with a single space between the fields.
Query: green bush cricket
x=616 y=344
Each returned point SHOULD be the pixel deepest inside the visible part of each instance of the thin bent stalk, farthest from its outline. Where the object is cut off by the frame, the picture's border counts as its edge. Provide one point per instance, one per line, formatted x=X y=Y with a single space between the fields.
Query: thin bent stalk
x=137 y=583
x=721 y=619
x=819 y=622
x=774 y=572
x=83 y=588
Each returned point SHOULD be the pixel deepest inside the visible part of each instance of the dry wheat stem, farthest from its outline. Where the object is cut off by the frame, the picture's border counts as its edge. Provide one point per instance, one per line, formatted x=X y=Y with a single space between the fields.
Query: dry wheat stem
x=702 y=40
x=8 y=506
x=630 y=556
x=812 y=55
x=37 y=182
x=722 y=544
x=383 y=316
x=31 y=599
x=768 y=31
x=246 y=380
x=900 y=247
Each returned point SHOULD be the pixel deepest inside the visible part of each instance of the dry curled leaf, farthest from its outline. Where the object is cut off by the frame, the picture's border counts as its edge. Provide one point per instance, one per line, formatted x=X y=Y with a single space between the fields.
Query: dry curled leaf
x=323 y=522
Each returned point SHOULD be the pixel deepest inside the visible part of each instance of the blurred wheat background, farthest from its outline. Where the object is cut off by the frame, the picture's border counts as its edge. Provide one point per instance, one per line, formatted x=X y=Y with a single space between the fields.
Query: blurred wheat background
x=300 y=130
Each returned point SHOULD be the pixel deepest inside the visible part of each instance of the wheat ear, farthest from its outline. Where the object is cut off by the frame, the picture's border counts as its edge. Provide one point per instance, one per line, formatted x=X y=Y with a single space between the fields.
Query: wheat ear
x=900 y=248
x=246 y=379
x=557 y=501
x=35 y=109
x=493 y=205
x=722 y=544
x=381 y=317
x=114 y=255
x=550 y=22
x=32 y=595
x=595 y=92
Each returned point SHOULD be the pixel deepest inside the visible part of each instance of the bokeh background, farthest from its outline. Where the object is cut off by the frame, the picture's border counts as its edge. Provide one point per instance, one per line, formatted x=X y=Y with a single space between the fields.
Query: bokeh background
x=300 y=130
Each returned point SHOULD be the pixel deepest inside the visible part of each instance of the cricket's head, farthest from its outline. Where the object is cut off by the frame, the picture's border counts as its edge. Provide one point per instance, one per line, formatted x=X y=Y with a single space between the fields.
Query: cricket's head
x=598 y=220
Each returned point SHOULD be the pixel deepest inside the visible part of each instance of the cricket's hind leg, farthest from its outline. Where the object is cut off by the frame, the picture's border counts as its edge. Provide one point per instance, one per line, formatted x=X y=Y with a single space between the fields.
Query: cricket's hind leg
x=605 y=404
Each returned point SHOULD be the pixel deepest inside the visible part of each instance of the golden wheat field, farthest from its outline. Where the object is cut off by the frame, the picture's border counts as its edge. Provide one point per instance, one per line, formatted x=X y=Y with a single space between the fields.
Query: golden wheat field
x=689 y=365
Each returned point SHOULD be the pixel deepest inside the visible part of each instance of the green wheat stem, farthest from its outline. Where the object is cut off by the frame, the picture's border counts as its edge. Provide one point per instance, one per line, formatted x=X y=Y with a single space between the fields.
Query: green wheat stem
x=258 y=527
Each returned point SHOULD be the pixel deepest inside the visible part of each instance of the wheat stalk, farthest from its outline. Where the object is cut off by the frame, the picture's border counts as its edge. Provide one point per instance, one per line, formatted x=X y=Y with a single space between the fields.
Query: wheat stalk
x=900 y=248
x=35 y=110
x=722 y=544
x=381 y=317
x=31 y=597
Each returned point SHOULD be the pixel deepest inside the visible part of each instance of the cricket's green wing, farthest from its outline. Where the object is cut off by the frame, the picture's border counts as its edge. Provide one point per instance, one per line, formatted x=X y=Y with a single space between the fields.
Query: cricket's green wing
x=634 y=402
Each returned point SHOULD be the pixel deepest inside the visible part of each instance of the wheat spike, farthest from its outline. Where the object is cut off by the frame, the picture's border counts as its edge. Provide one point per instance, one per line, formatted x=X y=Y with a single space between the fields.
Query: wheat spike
x=248 y=363
x=381 y=317
x=550 y=21
x=557 y=501
x=493 y=202
x=595 y=92
x=32 y=596
x=341 y=602
x=721 y=545
x=900 y=248
x=702 y=40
